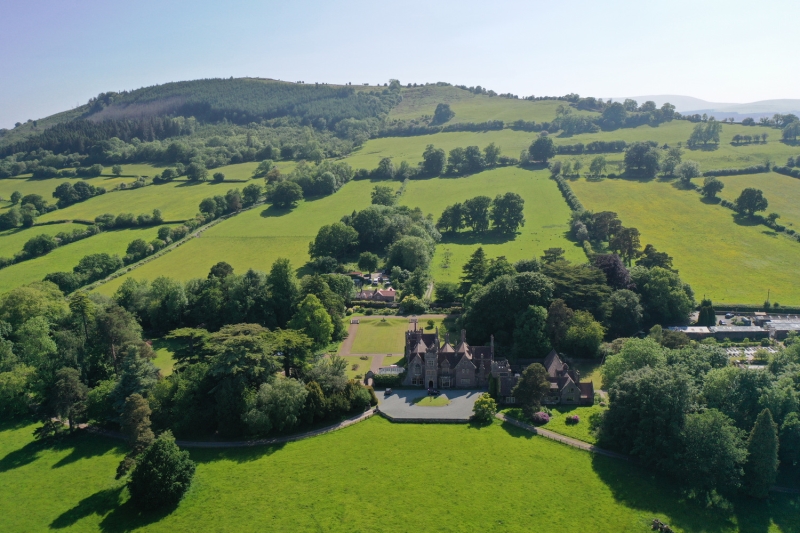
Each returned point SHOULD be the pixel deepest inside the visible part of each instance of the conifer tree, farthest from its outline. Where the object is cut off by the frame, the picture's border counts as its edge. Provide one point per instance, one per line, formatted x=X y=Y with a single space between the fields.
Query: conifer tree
x=762 y=459
x=474 y=270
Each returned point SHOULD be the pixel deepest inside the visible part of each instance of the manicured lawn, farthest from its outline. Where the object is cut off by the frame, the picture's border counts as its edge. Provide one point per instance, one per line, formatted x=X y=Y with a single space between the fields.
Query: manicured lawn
x=546 y=217
x=583 y=430
x=256 y=238
x=333 y=483
x=363 y=366
x=432 y=401
x=66 y=257
x=389 y=360
x=721 y=256
x=377 y=336
x=590 y=371
x=165 y=351
x=12 y=241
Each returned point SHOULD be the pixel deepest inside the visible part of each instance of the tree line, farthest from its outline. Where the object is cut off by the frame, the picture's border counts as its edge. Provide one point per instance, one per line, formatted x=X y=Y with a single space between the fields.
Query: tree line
x=504 y=213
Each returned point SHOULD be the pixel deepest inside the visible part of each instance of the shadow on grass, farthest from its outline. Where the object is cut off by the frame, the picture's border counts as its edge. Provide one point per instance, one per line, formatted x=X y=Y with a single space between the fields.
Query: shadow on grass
x=237 y=455
x=710 y=201
x=100 y=503
x=81 y=446
x=273 y=211
x=516 y=432
x=471 y=237
x=744 y=220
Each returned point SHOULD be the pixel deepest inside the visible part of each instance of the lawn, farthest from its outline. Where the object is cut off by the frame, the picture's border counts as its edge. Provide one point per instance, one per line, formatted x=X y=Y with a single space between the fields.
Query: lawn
x=546 y=217
x=722 y=257
x=583 y=430
x=782 y=193
x=389 y=360
x=66 y=257
x=377 y=336
x=362 y=368
x=165 y=355
x=333 y=483
x=255 y=238
x=589 y=370
x=432 y=401
x=12 y=240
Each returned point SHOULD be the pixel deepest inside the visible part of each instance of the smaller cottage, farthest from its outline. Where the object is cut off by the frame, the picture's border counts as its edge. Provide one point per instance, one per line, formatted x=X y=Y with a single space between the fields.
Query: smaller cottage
x=377 y=295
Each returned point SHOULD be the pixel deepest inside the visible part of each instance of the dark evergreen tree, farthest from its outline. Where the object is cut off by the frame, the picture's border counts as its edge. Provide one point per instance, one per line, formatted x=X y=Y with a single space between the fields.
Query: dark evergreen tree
x=761 y=467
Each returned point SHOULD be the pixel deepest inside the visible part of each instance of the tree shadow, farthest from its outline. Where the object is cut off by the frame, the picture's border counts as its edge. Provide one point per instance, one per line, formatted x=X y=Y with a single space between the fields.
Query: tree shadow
x=273 y=211
x=744 y=220
x=100 y=503
x=472 y=237
x=770 y=233
x=82 y=446
x=516 y=432
x=706 y=148
x=710 y=201
x=236 y=455
x=24 y=456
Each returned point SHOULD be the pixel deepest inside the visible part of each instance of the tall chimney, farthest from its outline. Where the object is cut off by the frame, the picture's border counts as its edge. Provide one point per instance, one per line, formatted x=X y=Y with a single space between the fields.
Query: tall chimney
x=463 y=335
x=491 y=345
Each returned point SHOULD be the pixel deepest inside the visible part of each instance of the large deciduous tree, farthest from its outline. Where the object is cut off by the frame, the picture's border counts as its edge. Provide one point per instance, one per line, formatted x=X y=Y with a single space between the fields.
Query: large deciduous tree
x=750 y=201
x=506 y=212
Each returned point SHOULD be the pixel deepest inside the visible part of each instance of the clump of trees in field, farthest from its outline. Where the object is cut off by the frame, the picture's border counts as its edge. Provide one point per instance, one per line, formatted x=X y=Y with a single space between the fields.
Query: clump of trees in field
x=503 y=213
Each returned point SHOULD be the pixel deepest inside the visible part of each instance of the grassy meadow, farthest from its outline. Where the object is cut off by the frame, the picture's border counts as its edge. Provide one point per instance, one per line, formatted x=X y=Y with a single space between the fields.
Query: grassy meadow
x=66 y=257
x=546 y=217
x=256 y=238
x=12 y=240
x=334 y=482
x=722 y=256
x=46 y=187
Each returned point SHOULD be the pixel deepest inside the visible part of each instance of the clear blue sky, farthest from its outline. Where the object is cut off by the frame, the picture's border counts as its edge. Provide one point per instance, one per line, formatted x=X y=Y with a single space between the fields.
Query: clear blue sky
x=55 y=54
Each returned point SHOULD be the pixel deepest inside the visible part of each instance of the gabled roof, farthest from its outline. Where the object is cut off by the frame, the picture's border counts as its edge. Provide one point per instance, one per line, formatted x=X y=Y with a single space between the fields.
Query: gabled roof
x=446 y=348
x=421 y=347
x=463 y=348
x=553 y=364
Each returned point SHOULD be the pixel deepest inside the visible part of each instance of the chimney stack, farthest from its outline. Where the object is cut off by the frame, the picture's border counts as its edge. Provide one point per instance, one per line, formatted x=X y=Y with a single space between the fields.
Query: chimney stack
x=491 y=344
x=463 y=335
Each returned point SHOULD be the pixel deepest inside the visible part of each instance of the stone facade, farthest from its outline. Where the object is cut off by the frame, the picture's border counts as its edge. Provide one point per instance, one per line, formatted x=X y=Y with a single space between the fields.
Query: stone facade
x=434 y=364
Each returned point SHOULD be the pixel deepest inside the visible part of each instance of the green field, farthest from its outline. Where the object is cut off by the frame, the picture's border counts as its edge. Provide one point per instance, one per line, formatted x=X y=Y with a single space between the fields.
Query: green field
x=256 y=238
x=377 y=336
x=469 y=107
x=178 y=200
x=66 y=257
x=782 y=193
x=723 y=258
x=46 y=187
x=363 y=365
x=338 y=482
x=12 y=240
x=546 y=217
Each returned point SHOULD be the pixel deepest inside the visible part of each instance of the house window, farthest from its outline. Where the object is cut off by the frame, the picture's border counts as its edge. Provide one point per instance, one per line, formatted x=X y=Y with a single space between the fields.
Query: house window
x=417 y=369
x=464 y=382
x=510 y=399
x=570 y=398
x=431 y=363
x=445 y=381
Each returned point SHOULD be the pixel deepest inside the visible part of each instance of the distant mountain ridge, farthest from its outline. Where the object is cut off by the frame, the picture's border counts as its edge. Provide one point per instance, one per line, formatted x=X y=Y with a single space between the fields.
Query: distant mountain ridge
x=690 y=105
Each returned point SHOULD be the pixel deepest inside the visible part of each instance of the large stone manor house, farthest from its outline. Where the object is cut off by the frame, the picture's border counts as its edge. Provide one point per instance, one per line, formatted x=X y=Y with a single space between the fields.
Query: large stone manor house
x=441 y=365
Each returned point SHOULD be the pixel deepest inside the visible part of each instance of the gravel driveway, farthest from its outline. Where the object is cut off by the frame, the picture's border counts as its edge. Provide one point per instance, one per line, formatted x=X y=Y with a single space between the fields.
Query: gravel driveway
x=400 y=405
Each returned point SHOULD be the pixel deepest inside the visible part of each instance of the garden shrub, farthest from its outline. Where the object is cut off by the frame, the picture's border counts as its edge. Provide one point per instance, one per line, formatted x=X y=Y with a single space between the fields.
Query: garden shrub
x=540 y=418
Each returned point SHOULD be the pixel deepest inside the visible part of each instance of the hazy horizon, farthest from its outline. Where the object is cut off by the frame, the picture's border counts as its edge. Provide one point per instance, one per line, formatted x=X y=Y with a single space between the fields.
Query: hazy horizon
x=59 y=54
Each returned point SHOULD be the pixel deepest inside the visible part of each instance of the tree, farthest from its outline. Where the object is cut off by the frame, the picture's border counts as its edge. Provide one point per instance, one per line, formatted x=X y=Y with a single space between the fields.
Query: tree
x=136 y=426
x=634 y=355
x=476 y=211
x=386 y=169
x=277 y=406
x=442 y=114
x=711 y=453
x=625 y=316
x=484 y=408
x=452 y=218
x=368 y=262
x=687 y=171
x=542 y=149
x=598 y=166
x=491 y=154
x=672 y=160
x=409 y=253
x=559 y=317
x=283 y=290
x=789 y=439
x=531 y=388
x=617 y=276
x=15 y=197
x=233 y=201
x=665 y=298
x=312 y=319
x=446 y=292
x=581 y=286
x=506 y=213
x=296 y=348
x=67 y=397
x=162 y=475
x=251 y=194
x=761 y=467
x=39 y=245
x=116 y=170
x=642 y=160
x=711 y=187
x=137 y=375
x=196 y=172
x=584 y=335
x=530 y=334
x=221 y=270
x=750 y=201
x=286 y=194
x=434 y=161
x=335 y=240
x=498 y=267
x=219 y=177
x=474 y=271
x=383 y=195
x=707 y=316
x=626 y=243
x=650 y=257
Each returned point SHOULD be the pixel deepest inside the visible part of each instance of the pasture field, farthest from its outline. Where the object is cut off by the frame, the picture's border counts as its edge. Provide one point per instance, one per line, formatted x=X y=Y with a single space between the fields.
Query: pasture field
x=177 y=200
x=546 y=217
x=723 y=257
x=66 y=257
x=46 y=187
x=377 y=336
x=469 y=107
x=335 y=482
x=782 y=193
x=256 y=238
x=12 y=240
